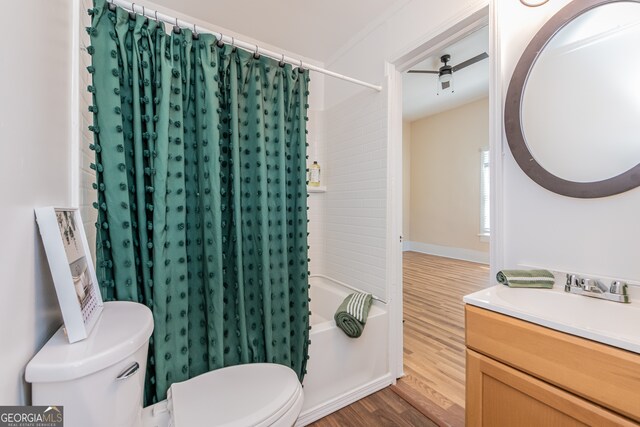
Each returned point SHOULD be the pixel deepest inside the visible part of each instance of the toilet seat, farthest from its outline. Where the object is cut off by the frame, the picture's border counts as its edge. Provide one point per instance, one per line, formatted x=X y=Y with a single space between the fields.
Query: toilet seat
x=259 y=394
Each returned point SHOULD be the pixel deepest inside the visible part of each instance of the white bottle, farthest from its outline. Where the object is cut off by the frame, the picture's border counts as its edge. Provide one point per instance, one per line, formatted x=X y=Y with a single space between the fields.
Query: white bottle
x=314 y=175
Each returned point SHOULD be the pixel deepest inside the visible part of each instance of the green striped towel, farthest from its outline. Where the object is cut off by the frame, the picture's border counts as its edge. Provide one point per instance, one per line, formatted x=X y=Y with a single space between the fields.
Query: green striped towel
x=352 y=314
x=526 y=278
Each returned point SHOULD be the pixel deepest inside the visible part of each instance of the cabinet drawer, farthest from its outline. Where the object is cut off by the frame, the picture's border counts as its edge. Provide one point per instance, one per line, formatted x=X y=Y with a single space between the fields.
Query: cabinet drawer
x=600 y=373
x=498 y=395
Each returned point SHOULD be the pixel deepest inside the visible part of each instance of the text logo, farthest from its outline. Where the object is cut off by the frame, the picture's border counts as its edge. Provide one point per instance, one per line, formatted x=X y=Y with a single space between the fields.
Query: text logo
x=31 y=416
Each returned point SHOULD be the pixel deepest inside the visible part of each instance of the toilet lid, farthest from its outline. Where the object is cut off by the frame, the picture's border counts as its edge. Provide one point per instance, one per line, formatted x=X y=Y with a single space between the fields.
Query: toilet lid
x=238 y=396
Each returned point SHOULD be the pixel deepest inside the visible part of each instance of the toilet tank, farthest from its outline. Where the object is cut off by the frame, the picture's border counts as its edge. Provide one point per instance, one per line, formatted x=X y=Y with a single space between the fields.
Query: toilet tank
x=99 y=381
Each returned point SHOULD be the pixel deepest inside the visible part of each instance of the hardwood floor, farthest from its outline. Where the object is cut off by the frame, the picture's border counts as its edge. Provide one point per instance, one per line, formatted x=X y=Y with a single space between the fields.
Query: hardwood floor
x=384 y=408
x=432 y=391
x=434 y=333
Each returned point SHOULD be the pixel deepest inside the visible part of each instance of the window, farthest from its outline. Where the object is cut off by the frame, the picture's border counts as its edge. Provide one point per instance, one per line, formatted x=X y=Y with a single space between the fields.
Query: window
x=485 y=222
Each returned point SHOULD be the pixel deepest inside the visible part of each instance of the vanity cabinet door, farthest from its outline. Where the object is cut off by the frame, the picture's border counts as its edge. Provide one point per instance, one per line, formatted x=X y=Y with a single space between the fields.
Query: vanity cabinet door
x=498 y=395
x=596 y=372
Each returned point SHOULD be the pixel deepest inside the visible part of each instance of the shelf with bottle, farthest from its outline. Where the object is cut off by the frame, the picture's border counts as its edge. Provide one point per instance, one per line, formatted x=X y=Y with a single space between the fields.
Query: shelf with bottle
x=314 y=179
x=319 y=189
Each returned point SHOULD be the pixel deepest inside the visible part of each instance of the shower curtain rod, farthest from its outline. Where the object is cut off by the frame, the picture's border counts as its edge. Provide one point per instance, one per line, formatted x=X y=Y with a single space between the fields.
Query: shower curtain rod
x=158 y=16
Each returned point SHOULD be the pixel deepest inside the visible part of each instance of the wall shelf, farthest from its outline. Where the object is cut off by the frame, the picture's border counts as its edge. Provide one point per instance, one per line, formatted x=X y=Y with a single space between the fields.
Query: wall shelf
x=321 y=189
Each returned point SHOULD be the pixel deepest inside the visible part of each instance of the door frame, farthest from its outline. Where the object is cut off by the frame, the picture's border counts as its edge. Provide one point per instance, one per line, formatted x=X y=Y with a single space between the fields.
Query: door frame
x=467 y=21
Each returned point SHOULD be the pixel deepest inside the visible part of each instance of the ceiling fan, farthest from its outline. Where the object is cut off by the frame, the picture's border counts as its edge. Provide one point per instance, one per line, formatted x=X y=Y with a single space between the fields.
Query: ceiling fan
x=445 y=73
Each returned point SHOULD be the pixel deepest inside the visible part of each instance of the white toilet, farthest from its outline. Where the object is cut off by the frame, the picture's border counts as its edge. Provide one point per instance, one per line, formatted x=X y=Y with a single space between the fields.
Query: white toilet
x=100 y=382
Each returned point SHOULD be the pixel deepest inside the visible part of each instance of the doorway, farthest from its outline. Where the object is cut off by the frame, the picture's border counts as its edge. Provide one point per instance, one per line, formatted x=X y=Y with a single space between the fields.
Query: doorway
x=446 y=221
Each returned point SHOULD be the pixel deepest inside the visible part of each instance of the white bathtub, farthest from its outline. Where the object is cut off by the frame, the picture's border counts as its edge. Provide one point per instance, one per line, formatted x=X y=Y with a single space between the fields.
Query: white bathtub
x=340 y=369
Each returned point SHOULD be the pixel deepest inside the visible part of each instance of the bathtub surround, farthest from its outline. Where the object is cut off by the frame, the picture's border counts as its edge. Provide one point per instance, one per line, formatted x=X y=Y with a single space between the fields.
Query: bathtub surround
x=342 y=369
x=200 y=154
x=355 y=201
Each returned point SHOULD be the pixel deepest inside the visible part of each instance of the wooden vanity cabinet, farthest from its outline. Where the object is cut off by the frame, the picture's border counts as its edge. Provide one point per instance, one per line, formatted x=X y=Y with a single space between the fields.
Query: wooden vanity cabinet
x=522 y=374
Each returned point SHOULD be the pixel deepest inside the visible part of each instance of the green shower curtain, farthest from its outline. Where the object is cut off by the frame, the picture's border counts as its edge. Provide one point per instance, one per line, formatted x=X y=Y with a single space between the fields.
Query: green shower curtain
x=201 y=179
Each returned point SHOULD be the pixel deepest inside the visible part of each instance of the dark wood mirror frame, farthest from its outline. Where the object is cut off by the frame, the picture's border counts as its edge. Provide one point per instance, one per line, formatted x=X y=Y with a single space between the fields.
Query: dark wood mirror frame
x=512 y=117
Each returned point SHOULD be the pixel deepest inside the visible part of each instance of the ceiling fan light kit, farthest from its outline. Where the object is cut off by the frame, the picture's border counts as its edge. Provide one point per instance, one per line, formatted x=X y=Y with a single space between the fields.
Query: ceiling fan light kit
x=445 y=76
x=446 y=71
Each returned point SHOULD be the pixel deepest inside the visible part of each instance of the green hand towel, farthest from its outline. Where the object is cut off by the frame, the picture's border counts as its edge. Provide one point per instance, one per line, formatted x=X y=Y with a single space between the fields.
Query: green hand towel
x=352 y=314
x=526 y=278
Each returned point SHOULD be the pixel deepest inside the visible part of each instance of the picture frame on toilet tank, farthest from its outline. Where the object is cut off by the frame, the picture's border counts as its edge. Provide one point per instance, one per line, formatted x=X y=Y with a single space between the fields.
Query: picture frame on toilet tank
x=72 y=269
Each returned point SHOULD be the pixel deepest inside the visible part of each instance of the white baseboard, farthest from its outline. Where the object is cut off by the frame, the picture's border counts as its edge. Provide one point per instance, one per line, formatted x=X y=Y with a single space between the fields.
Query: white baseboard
x=346 y=399
x=448 y=252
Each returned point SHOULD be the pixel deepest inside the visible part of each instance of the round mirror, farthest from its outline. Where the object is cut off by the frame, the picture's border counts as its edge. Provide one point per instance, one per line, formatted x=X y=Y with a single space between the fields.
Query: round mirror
x=573 y=106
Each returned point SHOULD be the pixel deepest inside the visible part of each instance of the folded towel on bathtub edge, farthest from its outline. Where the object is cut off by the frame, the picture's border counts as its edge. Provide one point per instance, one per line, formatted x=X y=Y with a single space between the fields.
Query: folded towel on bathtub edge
x=352 y=314
x=526 y=278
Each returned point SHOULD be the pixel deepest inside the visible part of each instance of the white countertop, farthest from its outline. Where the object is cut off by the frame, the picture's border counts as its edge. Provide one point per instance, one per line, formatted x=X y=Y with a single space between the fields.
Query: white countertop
x=608 y=322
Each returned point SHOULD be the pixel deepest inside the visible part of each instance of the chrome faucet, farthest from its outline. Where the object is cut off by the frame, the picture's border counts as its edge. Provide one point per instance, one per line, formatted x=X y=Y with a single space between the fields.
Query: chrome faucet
x=595 y=288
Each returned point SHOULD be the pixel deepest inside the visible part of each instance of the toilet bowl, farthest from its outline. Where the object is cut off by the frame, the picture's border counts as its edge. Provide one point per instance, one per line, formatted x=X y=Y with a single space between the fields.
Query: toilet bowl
x=100 y=382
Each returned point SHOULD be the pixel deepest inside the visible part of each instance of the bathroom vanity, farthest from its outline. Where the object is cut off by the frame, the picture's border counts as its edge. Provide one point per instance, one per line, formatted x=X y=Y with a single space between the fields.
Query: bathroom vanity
x=544 y=357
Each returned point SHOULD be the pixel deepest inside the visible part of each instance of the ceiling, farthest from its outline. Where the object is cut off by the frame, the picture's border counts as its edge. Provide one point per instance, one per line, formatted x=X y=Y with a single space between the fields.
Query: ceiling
x=314 y=29
x=420 y=98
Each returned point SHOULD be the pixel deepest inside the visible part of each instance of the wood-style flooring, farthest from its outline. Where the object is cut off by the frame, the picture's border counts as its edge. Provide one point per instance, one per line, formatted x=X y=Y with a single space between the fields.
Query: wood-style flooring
x=432 y=391
x=434 y=362
x=384 y=408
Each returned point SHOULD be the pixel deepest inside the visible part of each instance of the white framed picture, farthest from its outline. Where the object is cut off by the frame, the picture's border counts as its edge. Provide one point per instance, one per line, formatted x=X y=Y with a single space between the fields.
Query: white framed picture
x=72 y=269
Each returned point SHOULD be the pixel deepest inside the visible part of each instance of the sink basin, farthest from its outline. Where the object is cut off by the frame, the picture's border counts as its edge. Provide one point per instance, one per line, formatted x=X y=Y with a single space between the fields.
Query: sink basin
x=607 y=322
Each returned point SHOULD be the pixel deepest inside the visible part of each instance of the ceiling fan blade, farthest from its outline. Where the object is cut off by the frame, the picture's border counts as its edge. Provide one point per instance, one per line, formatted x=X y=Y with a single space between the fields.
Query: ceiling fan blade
x=471 y=61
x=423 y=72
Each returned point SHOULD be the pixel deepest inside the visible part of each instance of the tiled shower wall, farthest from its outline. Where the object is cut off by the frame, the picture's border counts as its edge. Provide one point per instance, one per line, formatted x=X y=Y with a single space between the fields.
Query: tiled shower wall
x=354 y=222
x=316 y=201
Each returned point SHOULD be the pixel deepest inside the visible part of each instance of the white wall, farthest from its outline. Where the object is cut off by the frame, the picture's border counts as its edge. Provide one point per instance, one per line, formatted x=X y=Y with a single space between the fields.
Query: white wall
x=35 y=153
x=406 y=180
x=598 y=236
x=445 y=177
